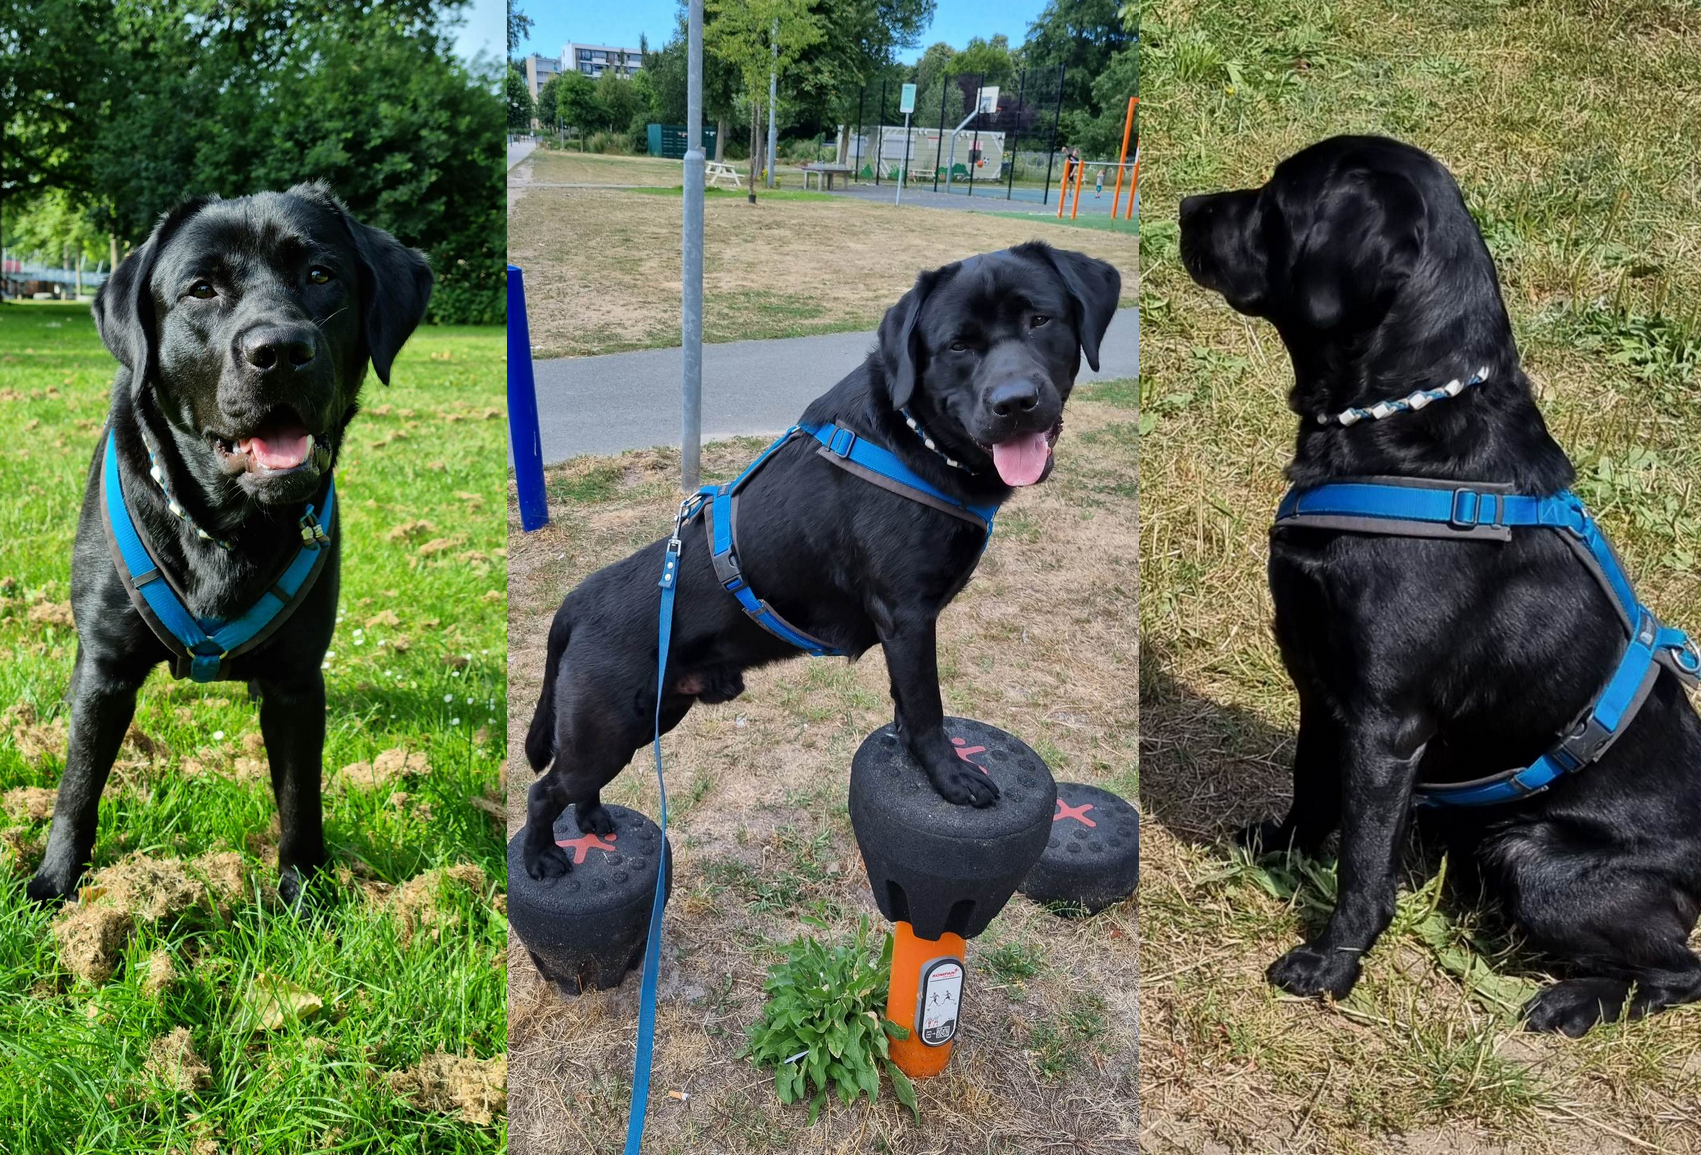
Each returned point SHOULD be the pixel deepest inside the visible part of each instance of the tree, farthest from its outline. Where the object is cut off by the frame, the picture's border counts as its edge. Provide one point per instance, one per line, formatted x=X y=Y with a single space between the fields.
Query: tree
x=616 y=102
x=1083 y=36
x=519 y=28
x=991 y=60
x=644 y=111
x=575 y=99
x=743 y=36
x=519 y=97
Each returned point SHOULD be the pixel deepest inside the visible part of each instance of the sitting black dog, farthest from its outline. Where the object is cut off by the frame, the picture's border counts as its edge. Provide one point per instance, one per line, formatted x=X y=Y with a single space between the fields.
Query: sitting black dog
x=244 y=328
x=1420 y=660
x=982 y=354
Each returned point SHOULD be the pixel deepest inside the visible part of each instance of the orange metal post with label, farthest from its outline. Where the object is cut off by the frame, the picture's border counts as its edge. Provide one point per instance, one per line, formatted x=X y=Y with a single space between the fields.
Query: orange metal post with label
x=1121 y=161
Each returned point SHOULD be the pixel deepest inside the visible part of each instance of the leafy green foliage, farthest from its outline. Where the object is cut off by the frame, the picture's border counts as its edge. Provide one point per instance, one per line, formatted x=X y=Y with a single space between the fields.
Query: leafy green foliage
x=519 y=99
x=823 y=1028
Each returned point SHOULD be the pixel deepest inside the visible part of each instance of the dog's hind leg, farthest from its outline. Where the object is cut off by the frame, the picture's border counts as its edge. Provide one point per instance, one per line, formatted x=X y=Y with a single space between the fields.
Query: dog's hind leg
x=1622 y=932
x=105 y=701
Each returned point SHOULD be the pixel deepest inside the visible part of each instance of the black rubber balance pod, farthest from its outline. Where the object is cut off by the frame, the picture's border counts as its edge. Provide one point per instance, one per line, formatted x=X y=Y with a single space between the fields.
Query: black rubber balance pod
x=1092 y=858
x=942 y=872
x=587 y=928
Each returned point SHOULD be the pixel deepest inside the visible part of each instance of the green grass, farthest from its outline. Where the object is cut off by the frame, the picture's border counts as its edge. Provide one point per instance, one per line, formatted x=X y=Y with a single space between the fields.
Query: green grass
x=779 y=194
x=1563 y=126
x=72 y=1054
x=1096 y=222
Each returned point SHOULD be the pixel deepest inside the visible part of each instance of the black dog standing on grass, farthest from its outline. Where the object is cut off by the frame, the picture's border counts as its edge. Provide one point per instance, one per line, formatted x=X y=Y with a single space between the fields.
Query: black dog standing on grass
x=1424 y=660
x=983 y=354
x=244 y=328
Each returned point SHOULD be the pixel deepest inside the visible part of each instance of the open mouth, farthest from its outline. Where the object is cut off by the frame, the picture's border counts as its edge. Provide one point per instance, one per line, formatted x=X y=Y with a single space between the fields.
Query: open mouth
x=281 y=444
x=1026 y=458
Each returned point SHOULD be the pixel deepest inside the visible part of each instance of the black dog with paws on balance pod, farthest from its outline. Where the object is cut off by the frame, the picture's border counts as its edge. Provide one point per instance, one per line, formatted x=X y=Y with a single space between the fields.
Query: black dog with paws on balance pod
x=243 y=329
x=1460 y=635
x=857 y=529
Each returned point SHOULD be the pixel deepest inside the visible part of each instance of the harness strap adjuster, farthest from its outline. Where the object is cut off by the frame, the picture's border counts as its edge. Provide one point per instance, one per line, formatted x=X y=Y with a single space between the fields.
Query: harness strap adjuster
x=1583 y=745
x=842 y=442
x=1467 y=510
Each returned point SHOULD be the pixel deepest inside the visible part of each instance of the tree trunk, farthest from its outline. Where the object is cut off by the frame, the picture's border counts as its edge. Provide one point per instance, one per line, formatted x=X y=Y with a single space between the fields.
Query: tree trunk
x=720 y=141
x=79 y=274
x=754 y=150
x=113 y=237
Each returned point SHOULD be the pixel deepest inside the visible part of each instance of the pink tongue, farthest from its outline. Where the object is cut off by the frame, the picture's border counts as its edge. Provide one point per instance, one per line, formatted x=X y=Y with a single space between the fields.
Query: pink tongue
x=279 y=449
x=1021 y=460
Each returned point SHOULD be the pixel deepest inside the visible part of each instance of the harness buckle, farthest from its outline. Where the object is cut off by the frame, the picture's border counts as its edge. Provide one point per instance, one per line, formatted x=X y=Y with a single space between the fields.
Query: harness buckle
x=312 y=533
x=842 y=442
x=1467 y=508
x=1582 y=745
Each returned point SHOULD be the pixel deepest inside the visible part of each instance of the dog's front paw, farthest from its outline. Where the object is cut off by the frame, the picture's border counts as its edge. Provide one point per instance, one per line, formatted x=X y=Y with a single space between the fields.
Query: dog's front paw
x=1574 y=1006
x=594 y=820
x=965 y=787
x=1310 y=971
x=48 y=891
x=547 y=861
x=1260 y=838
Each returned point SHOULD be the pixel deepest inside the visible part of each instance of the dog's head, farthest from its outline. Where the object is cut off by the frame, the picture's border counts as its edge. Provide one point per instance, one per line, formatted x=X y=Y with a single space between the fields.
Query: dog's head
x=984 y=352
x=1356 y=245
x=248 y=323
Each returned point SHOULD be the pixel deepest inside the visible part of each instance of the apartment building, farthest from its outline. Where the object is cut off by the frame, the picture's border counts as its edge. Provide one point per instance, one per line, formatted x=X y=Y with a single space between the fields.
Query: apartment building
x=595 y=59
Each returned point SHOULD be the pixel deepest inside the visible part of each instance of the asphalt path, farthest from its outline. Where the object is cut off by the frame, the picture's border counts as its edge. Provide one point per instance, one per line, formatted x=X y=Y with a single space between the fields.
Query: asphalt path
x=623 y=401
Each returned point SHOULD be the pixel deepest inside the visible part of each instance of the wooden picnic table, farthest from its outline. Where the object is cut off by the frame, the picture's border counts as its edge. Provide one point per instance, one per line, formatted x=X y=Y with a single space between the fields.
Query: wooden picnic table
x=825 y=172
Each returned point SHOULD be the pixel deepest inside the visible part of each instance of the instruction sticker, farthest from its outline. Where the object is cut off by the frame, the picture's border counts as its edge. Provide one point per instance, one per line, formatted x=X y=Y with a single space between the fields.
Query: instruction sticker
x=939 y=998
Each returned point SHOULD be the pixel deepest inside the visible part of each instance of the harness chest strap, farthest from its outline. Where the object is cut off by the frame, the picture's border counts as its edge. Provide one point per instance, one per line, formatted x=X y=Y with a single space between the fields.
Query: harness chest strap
x=203 y=647
x=845 y=449
x=1419 y=507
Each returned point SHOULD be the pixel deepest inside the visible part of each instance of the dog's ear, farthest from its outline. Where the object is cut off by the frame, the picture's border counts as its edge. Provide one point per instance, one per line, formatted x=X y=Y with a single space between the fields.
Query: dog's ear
x=1365 y=239
x=897 y=340
x=395 y=283
x=1094 y=286
x=124 y=306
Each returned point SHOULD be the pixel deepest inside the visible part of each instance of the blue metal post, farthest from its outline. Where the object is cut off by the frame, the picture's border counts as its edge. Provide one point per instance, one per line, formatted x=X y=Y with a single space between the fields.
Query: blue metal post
x=523 y=438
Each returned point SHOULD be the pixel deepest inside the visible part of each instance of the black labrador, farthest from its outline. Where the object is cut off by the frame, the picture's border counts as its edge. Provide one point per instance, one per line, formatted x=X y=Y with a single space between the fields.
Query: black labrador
x=1418 y=660
x=243 y=328
x=983 y=354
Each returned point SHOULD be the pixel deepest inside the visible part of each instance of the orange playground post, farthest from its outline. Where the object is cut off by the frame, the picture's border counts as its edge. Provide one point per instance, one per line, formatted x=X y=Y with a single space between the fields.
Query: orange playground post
x=1063 y=189
x=938 y=962
x=1134 y=184
x=1079 y=169
x=1127 y=129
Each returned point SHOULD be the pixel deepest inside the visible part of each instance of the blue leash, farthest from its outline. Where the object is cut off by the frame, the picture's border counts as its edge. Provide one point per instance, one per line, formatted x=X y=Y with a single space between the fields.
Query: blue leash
x=669 y=584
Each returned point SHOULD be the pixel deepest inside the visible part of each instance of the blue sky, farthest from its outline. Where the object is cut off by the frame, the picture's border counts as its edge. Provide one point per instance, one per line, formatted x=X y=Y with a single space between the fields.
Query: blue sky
x=555 y=22
x=484 y=30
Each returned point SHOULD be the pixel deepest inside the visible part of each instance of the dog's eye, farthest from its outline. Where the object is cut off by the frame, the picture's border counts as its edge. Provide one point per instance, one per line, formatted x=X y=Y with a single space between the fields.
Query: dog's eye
x=319 y=275
x=203 y=290
x=1037 y=320
x=957 y=346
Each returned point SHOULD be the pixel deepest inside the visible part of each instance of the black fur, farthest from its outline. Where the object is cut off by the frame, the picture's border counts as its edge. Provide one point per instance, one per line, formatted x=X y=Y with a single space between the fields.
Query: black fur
x=199 y=372
x=837 y=556
x=1423 y=660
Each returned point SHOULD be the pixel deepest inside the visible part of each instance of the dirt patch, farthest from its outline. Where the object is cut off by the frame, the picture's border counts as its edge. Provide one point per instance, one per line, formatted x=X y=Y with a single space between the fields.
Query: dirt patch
x=473 y=1089
x=35 y=741
x=418 y=903
x=781 y=268
x=34 y=803
x=91 y=932
x=173 y=1064
x=160 y=974
x=91 y=938
x=390 y=766
x=18 y=851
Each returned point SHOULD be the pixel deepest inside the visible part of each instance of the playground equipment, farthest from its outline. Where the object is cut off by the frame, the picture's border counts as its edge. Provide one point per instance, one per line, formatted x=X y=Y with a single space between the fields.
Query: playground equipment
x=586 y=929
x=523 y=438
x=1074 y=168
x=940 y=871
x=1092 y=858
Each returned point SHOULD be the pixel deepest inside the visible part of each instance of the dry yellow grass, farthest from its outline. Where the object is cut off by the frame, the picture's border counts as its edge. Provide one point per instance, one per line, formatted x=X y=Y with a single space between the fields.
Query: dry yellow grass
x=1040 y=643
x=602 y=267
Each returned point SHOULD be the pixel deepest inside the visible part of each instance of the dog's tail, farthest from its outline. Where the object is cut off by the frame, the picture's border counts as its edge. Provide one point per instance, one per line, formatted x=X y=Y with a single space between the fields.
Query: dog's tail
x=540 y=739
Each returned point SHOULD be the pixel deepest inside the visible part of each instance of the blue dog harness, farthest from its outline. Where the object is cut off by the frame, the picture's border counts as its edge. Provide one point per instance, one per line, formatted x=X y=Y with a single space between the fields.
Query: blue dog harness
x=846 y=449
x=1416 y=507
x=850 y=451
x=202 y=648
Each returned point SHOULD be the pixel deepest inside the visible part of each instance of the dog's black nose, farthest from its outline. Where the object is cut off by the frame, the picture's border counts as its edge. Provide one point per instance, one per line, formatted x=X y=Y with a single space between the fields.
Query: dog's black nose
x=279 y=347
x=1014 y=397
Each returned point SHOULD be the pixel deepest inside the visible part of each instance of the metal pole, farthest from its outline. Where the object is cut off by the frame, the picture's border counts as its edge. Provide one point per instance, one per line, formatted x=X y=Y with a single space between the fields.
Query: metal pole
x=880 y=137
x=773 y=90
x=691 y=282
x=1051 y=147
x=1016 y=133
x=939 y=146
x=974 y=144
x=523 y=439
x=904 y=168
x=856 y=170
